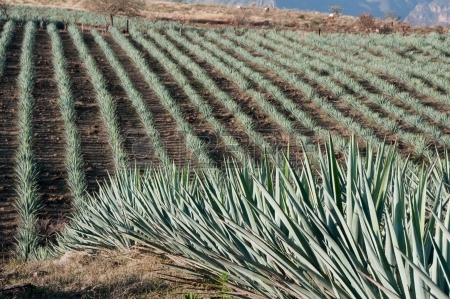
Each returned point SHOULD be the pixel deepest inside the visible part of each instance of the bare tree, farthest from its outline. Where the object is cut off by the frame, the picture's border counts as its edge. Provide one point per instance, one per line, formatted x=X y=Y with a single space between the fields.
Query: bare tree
x=335 y=9
x=4 y=9
x=405 y=28
x=183 y=21
x=368 y=21
x=117 y=7
x=240 y=18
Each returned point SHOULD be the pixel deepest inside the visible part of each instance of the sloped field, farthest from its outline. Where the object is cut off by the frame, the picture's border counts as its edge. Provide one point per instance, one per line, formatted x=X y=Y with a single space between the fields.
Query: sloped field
x=96 y=103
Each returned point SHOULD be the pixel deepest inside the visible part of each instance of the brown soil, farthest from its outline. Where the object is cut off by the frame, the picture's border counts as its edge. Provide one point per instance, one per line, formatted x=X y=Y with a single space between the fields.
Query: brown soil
x=214 y=145
x=136 y=143
x=295 y=95
x=163 y=121
x=402 y=146
x=9 y=143
x=94 y=141
x=264 y=125
x=49 y=139
x=220 y=112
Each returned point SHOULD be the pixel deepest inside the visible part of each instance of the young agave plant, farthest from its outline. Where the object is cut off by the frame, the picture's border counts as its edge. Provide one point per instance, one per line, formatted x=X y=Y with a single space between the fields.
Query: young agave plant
x=369 y=227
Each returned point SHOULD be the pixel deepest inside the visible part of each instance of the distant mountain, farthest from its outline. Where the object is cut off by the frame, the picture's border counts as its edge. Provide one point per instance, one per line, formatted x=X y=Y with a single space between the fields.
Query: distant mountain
x=436 y=12
x=428 y=12
x=378 y=8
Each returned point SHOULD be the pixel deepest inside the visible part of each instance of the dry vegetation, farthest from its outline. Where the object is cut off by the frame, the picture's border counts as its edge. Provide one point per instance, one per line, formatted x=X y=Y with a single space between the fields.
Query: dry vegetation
x=105 y=275
x=248 y=17
x=112 y=8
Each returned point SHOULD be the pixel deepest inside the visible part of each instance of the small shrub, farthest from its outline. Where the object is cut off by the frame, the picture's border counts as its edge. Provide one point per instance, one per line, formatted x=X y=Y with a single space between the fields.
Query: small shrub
x=317 y=21
x=367 y=21
x=191 y=296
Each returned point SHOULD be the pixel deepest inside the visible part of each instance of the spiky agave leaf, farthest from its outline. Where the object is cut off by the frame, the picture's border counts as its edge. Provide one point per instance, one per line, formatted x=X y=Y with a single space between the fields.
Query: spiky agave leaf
x=348 y=231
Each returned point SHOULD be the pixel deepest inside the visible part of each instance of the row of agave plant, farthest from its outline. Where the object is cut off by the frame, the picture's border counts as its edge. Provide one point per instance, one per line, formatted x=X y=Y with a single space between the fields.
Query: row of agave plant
x=243 y=76
x=28 y=203
x=369 y=227
x=136 y=98
x=76 y=180
x=422 y=68
x=193 y=143
x=307 y=90
x=260 y=79
x=414 y=72
x=226 y=100
x=360 y=67
x=104 y=99
x=314 y=69
x=206 y=110
x=5 y=39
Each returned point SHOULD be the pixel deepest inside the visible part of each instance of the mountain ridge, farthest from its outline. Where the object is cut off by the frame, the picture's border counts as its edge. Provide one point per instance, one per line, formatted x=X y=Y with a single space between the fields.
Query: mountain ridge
x=416 y=12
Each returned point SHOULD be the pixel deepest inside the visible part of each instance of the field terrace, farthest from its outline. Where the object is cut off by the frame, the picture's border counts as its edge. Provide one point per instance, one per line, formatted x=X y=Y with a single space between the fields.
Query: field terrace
x=156 y=98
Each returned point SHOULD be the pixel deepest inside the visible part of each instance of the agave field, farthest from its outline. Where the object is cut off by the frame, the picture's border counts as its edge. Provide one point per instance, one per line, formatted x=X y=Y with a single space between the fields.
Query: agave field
x=324 y=214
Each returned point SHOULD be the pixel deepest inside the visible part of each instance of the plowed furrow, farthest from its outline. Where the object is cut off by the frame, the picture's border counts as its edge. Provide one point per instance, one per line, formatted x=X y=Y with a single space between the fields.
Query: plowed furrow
x=164 y=122
x=49 y=139
x=8 y=144
x=96 y=150
x=136 y=143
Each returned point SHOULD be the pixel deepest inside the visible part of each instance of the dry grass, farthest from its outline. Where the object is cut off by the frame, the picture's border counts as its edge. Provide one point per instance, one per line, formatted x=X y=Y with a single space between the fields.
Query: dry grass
x=226 y=15
x=104 y=275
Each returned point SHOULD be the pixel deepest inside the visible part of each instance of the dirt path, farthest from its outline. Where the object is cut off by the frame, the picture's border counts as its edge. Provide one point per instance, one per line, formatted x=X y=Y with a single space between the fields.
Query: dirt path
x=8 y=144
x=96 y=151
x=49 y=139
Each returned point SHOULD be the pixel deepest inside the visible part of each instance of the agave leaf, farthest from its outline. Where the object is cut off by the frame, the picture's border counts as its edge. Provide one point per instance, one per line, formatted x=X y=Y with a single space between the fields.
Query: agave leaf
x=276 y=255
x=375 y=254
x=444 y=265
x=399 y=214
x=310 y=199
x=382 y=176
x=445 y=231
x=403 y=283
x=351 y=185
x=389 y=293
x=436 y=290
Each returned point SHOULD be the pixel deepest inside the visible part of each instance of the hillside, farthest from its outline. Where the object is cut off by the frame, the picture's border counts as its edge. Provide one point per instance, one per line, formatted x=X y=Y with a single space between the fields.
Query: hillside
x=261 y=89
x=251 y=16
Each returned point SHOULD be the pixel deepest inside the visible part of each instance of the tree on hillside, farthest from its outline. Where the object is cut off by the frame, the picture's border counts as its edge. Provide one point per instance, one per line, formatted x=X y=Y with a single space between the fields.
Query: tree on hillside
x=367 y=21
x=241 y=16
x=336 y=9
x=117 y=7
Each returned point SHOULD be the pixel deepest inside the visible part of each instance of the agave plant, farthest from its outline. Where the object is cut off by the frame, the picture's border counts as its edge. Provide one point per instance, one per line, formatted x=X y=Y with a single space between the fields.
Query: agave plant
x=366 y=227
